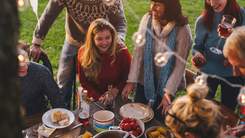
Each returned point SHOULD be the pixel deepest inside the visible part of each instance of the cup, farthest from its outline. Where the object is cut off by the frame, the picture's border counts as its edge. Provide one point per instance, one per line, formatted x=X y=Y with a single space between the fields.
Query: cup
x=227 y=22
x=83 y=118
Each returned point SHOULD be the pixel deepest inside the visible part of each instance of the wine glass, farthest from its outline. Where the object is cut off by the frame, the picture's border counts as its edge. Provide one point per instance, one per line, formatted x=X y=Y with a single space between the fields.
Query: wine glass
x=226 y=23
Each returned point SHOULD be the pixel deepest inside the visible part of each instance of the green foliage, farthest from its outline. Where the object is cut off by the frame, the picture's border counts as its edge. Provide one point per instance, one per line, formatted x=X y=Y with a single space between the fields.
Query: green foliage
x=56 y=35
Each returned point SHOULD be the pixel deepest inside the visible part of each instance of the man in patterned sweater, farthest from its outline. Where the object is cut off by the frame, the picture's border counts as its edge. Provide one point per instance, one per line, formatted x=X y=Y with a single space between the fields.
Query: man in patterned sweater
x=79 y=15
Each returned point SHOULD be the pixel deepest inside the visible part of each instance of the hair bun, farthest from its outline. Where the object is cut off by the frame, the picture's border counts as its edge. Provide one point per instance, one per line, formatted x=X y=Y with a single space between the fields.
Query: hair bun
x=197 y=92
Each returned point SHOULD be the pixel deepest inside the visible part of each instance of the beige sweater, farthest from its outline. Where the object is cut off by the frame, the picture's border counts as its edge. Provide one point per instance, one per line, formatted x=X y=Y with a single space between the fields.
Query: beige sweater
x=176 y=81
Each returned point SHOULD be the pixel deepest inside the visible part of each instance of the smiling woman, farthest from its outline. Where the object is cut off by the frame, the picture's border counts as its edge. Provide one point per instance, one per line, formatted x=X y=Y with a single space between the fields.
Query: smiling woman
x=102 y=61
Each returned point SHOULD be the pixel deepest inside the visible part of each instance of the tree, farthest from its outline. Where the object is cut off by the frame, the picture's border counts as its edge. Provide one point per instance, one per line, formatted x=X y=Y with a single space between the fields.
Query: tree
x=10 y=95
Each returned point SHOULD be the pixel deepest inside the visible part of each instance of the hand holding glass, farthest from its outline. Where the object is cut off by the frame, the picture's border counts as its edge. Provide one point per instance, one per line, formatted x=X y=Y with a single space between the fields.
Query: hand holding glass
x=226 y=23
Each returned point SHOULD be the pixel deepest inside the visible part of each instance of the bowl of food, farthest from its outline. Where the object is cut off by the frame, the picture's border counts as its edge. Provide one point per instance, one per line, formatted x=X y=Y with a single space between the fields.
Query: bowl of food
x=58 y=118
x=45 y=131
x=158 y=131
x=133 y=125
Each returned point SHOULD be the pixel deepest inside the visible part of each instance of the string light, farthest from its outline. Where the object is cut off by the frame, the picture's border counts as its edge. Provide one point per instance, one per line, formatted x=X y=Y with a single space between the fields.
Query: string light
x=22 y=4
x=22 y=57
x=201 y=79
x=109 y=2
x=161 y=59
x=139 y=38
x=241 y=97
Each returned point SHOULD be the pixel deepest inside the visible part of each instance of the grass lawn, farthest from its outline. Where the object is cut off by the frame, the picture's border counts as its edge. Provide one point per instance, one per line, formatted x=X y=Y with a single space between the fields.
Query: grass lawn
x=56 y=35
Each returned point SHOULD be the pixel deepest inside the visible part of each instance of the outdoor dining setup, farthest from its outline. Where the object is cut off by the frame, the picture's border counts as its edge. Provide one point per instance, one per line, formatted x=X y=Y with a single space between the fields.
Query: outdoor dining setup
x=164 y=86
x=103 y=118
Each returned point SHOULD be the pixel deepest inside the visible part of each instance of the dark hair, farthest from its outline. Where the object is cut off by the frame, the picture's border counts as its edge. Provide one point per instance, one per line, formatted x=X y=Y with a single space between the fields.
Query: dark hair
x=231 y=8
x=173 y=12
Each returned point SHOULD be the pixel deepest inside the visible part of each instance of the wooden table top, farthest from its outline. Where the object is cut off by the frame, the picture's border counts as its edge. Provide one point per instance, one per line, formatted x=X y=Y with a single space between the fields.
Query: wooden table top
x=93 y=109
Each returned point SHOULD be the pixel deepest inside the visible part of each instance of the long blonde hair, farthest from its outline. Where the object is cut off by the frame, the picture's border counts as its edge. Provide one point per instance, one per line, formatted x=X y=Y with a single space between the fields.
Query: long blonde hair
x=197 y=115
x=90 y=58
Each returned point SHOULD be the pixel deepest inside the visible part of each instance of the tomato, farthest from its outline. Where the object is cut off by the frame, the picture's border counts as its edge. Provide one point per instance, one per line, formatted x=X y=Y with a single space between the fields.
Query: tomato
x=122 y=126
x=133 y=133
x=138 y=130
x=126 y=120
x=133 y=120
x=137 y=125
x=133 y=125
x=127 y=126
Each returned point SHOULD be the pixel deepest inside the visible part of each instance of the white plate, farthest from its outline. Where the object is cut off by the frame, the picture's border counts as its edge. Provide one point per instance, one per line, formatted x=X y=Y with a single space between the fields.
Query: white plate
x=137 y=110
x=47 y=118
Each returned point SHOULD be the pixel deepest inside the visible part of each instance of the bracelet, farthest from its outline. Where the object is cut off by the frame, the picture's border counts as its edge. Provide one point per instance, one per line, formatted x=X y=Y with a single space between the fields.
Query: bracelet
x=36 y=45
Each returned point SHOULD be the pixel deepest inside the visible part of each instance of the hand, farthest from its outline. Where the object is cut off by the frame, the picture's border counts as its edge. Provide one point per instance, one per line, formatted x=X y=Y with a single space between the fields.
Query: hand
x=120 y=44
x=127 y=89
x=235 y=131
x=227 y=63
x=226 y=35
x=105 y=99
x=35 y=52
x=197 y=55
x=166 y=101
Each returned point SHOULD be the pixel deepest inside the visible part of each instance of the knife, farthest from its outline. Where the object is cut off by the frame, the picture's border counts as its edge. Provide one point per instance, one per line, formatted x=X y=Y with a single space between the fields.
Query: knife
x=98 y=106
x=68 y=130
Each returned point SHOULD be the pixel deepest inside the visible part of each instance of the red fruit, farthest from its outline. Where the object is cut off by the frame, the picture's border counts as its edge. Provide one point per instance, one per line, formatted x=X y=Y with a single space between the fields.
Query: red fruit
x=122 y=126
x=133 y=120
x=126 y=120
x=127 y=126
x=133 y=133
x=138 y=130
x=137 y=125
x=133 y=125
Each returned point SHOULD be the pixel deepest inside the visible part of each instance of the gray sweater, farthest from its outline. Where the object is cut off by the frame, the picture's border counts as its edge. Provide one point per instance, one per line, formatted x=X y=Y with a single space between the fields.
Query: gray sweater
x=37 y=86
x=79 y=15
x=176 y=80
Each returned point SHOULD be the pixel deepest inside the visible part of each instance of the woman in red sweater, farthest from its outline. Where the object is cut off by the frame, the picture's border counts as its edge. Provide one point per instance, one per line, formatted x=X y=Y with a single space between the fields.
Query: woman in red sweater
x=101 y=63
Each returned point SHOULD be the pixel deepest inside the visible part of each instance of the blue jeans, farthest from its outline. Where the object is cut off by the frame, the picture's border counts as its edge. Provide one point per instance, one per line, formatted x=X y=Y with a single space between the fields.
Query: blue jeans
x=139 y=97
x=66 y=71
x=228 y=93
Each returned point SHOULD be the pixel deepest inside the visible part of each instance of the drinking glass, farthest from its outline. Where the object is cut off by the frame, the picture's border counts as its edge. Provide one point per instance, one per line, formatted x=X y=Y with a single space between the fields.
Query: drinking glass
x=227 y=22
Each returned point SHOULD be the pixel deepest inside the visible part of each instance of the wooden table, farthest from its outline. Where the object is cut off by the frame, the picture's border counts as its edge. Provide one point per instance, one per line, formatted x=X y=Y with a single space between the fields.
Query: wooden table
x=93 y=109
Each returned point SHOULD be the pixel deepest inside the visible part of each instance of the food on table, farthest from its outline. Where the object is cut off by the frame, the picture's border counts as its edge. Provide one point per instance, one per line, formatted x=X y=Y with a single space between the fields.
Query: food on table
x=60 y=118
x=64 y=115
x=54 y=116
x=86 y=135
x=130 y=125
x=154 y=134
x=161 y=136
x=135 y=111
x=63 y=122
x=46 y=130
x=160 y=132
x=133 y=133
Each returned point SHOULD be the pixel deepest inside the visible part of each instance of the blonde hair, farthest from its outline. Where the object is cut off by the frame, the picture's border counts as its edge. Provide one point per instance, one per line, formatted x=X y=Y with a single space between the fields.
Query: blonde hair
x=200 y=116
x=236 y=41
x=90 y=58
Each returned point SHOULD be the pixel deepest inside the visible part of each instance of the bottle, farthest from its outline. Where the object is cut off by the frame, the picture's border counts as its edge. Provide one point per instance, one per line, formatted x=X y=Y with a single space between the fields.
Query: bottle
x=111 y=105
x=84 y=115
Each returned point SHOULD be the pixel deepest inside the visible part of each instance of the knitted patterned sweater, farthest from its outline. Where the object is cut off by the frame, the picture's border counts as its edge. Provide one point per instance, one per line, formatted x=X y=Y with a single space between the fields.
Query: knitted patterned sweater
x=79 y=15
x=115 y=74
x=37 y=86
x=176 y=80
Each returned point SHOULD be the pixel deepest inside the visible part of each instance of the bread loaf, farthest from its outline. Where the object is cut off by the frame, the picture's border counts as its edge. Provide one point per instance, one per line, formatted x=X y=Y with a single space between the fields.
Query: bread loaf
x=63 y=122
x=54 y=116
x=64 y=115
x=58 y=115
